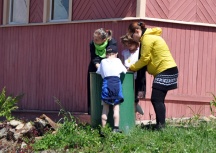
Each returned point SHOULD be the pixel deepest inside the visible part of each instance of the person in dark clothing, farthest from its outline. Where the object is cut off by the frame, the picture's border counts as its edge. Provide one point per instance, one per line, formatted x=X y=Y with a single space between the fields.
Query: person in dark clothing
x=101 y=40
x=130 y=55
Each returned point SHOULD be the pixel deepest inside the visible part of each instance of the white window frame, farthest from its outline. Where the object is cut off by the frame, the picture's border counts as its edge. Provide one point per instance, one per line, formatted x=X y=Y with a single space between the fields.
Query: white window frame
x=48 y=12
x=7 y=13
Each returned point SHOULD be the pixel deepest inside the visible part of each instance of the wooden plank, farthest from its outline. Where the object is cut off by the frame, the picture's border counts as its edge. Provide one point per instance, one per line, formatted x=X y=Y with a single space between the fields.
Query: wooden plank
x=210 y=57
x=205 y=65
x=182 y=67
x=200 y=62
x=196 y=62
x=178 y=56
x=213 y=63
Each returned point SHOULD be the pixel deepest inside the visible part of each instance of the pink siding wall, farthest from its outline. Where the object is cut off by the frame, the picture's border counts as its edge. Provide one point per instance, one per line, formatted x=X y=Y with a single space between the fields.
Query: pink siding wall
x=103 y=9
x=1 y=11
x=184 y=10
x=48 y=61
x=36 y=11
x=175 y=109
x=195 y=54
x=52 y=60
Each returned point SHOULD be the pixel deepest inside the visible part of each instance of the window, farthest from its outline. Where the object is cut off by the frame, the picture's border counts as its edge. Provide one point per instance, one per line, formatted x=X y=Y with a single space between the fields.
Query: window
x=59 y=10
x=15 y=11
x=18 y=11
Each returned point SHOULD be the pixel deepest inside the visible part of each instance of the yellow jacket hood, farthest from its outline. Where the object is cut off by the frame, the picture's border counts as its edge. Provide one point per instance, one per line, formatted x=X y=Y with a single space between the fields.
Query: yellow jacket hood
x=153 y=31
x=154 y=53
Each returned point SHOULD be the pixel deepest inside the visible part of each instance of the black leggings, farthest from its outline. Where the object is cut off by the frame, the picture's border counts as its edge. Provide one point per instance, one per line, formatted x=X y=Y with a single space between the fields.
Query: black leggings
x=157 y=99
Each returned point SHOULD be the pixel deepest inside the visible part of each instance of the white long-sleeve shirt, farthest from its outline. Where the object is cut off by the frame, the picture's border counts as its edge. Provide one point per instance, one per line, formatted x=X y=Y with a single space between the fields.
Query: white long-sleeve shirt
x=130 y=58
x=111 y=67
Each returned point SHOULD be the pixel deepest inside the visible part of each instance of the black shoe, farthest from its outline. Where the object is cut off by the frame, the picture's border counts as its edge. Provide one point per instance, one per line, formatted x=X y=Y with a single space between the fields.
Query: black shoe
x=159 y=127
x=148 y=126
x=101 y=133
x=117 y=131
x=153 y=127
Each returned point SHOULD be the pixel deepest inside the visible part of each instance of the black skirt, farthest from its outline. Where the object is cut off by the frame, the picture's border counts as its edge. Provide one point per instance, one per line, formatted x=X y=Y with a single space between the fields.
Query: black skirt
x=166 y=80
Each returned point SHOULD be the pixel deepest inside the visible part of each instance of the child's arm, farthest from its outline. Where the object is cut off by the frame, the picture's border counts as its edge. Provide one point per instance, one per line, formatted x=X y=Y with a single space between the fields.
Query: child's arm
x=99 y=70
x=122 y=67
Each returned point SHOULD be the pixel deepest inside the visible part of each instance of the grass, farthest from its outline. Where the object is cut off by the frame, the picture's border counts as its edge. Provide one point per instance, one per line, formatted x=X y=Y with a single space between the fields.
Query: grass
x=72 y=137
x=192 y=135
x=187 y=136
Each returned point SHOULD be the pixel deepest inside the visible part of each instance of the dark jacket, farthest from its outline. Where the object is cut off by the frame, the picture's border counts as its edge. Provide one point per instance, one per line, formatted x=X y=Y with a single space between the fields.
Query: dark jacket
x=92 y=68
x=95 y=58
x=140 y=82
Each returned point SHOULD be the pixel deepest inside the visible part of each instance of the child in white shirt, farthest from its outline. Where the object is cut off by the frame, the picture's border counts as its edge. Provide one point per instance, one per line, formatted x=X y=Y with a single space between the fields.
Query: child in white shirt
x=130 y=56
x=110 y=70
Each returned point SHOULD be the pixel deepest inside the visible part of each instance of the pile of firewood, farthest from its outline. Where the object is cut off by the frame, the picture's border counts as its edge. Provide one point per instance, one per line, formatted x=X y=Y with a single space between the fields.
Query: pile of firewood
x=13 y=134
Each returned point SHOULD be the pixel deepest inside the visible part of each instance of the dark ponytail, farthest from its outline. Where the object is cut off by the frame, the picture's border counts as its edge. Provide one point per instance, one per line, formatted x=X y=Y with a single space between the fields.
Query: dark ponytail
x=109 y=34
x=136 y=25
x=104 y=34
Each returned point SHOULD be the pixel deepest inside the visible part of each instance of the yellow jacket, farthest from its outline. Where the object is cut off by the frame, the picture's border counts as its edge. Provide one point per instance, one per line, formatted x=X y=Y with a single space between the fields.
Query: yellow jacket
x=154 y=53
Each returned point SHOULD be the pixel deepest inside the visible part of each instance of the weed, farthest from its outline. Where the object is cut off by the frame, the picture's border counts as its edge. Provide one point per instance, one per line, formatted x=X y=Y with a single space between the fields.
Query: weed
x=70 y=135
x=213 y=104
x=196 y=116
x=8 y=104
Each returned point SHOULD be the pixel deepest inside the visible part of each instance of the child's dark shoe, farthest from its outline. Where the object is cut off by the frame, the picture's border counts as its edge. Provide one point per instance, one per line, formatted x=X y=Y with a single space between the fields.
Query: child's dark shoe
x=101 y=133
x=117 y=131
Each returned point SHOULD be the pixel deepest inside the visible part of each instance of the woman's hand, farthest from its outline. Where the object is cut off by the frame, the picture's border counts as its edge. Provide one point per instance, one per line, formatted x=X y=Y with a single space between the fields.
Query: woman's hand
x=141 y=94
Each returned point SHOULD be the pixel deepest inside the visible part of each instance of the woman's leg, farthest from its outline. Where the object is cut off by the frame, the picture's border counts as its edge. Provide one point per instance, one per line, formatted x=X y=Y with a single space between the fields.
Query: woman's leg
x=157 y=99
x=116 y=116
x=105 y=112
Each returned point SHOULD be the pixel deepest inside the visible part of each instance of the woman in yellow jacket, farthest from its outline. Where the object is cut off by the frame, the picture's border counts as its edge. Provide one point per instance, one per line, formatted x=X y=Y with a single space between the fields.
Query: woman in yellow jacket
x=156 y=55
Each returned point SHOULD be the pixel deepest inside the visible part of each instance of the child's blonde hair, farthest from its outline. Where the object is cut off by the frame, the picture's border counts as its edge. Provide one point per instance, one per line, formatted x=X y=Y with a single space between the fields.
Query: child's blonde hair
x=126 y=39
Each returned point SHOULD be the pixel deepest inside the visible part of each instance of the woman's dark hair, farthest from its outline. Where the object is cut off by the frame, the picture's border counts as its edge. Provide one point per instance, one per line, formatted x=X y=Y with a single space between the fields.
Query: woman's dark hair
x=136 y=25
x=104 y=34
